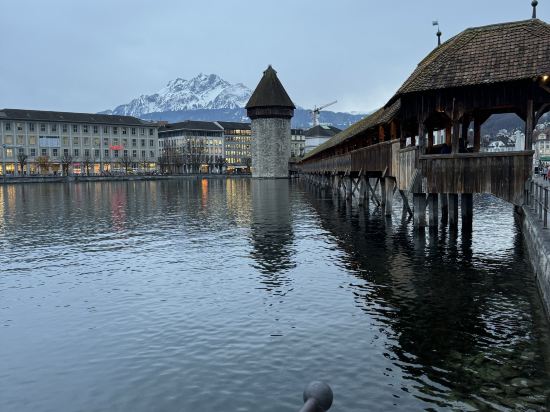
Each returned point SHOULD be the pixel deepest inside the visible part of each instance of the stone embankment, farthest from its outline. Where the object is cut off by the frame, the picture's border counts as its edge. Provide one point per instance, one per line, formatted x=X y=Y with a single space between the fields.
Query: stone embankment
x=538 y=242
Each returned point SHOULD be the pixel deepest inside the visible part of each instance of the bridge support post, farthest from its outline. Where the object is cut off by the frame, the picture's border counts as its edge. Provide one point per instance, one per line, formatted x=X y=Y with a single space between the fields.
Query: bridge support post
x=382 y=191
x=467 y=208
x=406 y=207
x=444 y=202
x=453 y=209
x=362 y=190
x=389 y=185
x=433 y=201
x=336 y=185
x=349 y=188
x=419 y=204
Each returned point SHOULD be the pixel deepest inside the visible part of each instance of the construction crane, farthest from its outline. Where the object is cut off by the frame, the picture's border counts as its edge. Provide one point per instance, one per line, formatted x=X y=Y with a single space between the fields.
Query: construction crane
x=316 y=110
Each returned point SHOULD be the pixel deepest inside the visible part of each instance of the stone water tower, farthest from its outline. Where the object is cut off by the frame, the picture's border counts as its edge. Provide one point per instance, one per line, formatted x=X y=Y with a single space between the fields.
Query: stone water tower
x=270 y=110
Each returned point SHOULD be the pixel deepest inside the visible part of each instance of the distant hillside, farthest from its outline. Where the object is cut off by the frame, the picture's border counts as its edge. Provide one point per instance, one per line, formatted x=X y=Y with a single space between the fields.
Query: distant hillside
x=508 y=121
x=301 y=119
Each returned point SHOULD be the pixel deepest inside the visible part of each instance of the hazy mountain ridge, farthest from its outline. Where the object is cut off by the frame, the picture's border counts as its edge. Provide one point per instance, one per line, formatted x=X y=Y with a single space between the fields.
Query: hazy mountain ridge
x=301 y=119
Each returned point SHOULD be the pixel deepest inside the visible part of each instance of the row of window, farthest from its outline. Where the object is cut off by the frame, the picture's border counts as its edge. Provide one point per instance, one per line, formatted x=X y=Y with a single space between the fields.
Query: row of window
x=54 y=127
x=238 y=132
x=176 y=142
x=32 y=140
x=238 y=138
x=76 y=153
x=190 y=133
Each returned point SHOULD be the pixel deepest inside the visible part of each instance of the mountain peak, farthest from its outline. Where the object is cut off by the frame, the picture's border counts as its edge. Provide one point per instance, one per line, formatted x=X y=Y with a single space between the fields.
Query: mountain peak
x=204 y=91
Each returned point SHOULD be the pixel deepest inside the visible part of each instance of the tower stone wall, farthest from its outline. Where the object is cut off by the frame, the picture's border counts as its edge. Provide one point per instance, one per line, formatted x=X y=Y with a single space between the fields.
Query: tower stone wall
x=270 y=110
x=270 y=147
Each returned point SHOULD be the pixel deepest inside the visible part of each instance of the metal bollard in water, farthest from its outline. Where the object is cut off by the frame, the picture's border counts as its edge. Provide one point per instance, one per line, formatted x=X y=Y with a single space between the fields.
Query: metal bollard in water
x=317 y=397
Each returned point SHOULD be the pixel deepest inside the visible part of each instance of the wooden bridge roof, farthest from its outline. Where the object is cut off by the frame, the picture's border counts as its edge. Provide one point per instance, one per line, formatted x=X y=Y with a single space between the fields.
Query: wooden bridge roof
x=381 y=116
x=485 y=55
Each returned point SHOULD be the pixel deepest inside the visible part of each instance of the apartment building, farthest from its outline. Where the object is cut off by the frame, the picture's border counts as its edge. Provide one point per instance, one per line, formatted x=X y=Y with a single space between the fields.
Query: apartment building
x=192 y=147
x=318 y=135
x=237 y=139
x=297 y=143
x=213 y=147
x=47 y=142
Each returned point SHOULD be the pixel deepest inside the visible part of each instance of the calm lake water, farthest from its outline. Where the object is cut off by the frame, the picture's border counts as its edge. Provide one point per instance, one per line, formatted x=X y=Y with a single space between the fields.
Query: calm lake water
x=231 y=295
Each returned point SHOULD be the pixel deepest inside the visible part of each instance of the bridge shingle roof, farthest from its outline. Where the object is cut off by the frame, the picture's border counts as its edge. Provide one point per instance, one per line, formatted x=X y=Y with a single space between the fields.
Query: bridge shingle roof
x=381 y=116
x=484 y=55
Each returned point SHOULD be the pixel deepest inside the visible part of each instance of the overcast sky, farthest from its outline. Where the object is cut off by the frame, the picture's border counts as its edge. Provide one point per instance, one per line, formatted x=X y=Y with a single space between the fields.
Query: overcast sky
x=91 y=55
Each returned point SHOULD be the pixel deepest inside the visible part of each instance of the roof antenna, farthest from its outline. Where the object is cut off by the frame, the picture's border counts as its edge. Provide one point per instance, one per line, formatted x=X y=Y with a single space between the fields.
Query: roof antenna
x=534 y=3
x=436 y=23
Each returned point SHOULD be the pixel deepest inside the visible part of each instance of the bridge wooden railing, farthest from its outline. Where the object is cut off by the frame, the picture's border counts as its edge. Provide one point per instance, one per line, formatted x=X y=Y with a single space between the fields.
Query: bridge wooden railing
x=408 y=163
x=337 y=164
x=502 y=174
x=375 y=158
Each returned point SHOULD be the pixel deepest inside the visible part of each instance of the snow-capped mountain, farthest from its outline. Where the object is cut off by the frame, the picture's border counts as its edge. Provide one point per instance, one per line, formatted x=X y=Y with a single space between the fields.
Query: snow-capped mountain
x=201 y=92
x=210 y=98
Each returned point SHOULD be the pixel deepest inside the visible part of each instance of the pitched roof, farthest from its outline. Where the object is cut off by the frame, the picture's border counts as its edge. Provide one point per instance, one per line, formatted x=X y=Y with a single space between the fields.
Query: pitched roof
x=483 y=55
x=381 y=116
x=191 y=125
x=234 y=125
x=68 y=117
x=270 y=92
x=322 y=131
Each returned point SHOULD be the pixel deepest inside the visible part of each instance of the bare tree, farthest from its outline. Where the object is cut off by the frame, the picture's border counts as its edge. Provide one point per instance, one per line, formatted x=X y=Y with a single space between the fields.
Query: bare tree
x=248 y=163
x=163 y=162
x=187 y=156
x=43 y=164
x=200 y=157
x=126 y=162
x=144 y=164
x=66 y=161
x=178 y=162
x=220 y=162
x=87 y=162
x=22 y=160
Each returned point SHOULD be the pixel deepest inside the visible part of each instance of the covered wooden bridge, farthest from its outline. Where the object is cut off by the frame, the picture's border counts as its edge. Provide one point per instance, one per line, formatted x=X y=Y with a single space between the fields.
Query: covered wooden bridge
x=426 y=140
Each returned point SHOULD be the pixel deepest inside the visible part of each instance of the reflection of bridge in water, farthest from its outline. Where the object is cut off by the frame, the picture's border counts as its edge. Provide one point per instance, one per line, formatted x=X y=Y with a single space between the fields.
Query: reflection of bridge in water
x=419 y=143
x=448 y=316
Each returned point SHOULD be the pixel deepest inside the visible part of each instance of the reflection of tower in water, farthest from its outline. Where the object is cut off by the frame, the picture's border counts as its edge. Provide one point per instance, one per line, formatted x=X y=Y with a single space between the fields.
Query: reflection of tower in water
x=271 y=231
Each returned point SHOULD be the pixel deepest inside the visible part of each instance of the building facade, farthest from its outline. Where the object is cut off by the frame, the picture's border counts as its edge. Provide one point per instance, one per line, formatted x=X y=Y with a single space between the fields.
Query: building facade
x=270 y=110
x=542 y=145
x=318 y=135
x=59 y=143
x=297 y=143
x=192 y=147
x=237 y=139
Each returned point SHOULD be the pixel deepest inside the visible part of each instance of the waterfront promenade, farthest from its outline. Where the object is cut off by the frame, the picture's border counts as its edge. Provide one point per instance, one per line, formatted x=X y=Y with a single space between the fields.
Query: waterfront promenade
x=114 y=178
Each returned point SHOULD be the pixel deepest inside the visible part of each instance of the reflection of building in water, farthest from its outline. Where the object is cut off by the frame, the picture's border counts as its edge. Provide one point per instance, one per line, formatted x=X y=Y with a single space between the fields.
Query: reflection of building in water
x=271 y=231
x=237 y=192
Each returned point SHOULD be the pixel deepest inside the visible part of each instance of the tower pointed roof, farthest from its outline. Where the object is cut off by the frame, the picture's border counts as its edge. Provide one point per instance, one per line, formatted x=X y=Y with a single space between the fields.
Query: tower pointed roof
x=270 y=92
